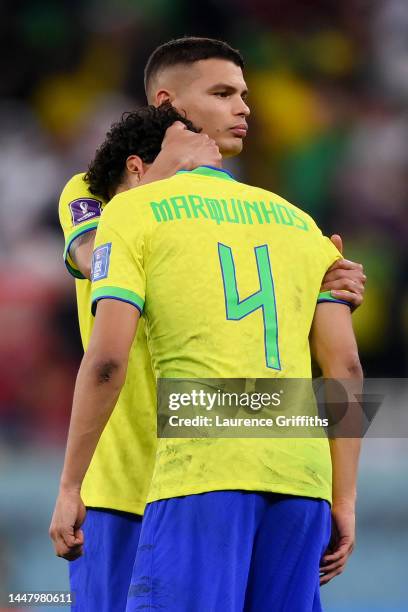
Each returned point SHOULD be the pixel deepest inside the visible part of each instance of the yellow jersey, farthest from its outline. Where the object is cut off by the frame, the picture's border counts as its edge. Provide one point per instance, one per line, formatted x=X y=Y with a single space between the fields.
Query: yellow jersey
x=227 y=277
x=119 y=475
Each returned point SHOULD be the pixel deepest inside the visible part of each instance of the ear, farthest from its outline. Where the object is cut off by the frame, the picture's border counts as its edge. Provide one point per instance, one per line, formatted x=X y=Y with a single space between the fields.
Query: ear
x=163 y=95
x=134 y=165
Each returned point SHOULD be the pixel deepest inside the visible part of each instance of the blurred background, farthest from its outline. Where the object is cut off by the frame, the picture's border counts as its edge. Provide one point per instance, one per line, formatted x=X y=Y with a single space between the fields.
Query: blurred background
x=328 y=87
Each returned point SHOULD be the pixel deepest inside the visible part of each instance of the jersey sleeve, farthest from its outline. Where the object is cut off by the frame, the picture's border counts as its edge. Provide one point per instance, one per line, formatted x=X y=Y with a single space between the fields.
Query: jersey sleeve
x=331 y=255
x=118 y=267
x=79 y=213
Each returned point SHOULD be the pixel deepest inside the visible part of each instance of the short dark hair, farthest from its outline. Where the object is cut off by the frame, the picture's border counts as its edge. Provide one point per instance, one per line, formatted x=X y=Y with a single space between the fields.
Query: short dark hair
x=188 y=50
x=141 y=133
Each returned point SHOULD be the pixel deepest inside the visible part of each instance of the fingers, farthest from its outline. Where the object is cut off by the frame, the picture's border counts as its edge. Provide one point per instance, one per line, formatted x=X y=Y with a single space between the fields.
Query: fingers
x=325 y=578
x=345 y=280
x=338 y=242
x=71 y=540
x=177 y=126
x=355 y=299
x=334 y=557
x=180 y=132
x=73 y=555
x=327 y=569
x=354 y=274
x=66 y=548
x=64 y=537
x=332 y=570
x=68 y=553
x=328 y=572
x=337 y=557
x=190 y=148
x=79 y=536
x=346 y=264
x=333 y=564
x=65 y=531
x=343 y=284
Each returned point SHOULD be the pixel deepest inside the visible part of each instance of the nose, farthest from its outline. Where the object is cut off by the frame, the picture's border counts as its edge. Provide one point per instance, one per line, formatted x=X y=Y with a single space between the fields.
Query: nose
x=242 y=108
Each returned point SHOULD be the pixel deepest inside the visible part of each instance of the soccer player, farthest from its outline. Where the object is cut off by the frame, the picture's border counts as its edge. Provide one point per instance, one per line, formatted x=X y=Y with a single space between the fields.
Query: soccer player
x=203 y=78
x=117 y=481
x=227 y=276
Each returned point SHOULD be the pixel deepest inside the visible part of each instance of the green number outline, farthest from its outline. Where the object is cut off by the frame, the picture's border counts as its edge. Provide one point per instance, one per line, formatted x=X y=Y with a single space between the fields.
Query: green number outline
x=237 y=309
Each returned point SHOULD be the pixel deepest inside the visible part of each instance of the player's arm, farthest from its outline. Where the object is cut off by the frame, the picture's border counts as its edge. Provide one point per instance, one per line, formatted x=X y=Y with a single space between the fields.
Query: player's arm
x=181 y=149
x=334 y=347
x=345 y=279
x=118 y=294
x=81 y=252
x=100 y=379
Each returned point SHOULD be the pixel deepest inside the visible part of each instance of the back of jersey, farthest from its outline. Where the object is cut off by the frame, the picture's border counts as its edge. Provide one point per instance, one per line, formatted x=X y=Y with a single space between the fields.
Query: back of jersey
x=228 y=277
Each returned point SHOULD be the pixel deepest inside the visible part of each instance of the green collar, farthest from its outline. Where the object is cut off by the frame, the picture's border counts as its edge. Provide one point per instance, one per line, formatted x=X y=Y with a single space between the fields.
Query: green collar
x=210 y=171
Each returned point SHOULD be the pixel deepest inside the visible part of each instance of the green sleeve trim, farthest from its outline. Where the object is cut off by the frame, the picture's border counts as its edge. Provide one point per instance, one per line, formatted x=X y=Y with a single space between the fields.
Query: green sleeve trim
x=326 y=296
x=69 y=263
x=116 y=293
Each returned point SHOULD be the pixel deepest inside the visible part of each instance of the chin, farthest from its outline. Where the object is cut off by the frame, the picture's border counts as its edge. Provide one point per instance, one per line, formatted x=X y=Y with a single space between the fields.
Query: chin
x=231 y=148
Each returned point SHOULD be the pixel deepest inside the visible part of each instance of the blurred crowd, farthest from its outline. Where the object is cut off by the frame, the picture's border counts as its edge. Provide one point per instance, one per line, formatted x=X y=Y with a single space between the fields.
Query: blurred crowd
x=328 y=87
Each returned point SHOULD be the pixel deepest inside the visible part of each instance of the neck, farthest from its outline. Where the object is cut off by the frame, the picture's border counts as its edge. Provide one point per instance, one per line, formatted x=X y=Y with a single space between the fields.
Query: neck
x=129 y=181
x=120 y=188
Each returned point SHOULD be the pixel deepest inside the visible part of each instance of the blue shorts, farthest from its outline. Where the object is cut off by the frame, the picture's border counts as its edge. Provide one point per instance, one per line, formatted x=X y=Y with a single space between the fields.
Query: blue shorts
x=231 y=551
x=101 y=577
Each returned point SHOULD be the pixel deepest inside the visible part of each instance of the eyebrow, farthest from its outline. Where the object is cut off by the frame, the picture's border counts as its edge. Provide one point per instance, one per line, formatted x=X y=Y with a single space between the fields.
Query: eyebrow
x=228 y=88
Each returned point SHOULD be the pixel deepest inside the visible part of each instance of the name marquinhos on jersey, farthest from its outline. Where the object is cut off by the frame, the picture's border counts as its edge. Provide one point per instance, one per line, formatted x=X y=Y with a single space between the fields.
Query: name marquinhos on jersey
x=232 y=210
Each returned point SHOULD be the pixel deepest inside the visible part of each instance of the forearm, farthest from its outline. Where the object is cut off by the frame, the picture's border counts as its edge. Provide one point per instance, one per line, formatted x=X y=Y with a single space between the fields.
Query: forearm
x=346 y=443
x=81 y=252
x=344 y=455
x=164 y=166
x=96 y=393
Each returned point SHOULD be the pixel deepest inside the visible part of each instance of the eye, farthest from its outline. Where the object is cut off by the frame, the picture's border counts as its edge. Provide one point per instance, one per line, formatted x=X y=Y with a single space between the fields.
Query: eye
x=221 y=94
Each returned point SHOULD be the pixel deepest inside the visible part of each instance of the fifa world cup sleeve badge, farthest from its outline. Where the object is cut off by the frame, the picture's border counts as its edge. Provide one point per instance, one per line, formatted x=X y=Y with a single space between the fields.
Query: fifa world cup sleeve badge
x=84 y=209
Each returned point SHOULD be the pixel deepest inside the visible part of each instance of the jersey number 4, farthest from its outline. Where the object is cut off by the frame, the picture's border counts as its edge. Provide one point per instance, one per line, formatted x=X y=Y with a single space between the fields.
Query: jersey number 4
x=237 y=309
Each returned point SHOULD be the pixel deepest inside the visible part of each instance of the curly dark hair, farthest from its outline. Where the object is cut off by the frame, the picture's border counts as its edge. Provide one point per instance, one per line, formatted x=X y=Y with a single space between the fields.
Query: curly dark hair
x=141 y=133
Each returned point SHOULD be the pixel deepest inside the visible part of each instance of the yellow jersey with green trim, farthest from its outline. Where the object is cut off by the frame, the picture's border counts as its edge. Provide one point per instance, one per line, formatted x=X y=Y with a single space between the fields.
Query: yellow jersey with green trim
x=119 y=475
x=227 y=276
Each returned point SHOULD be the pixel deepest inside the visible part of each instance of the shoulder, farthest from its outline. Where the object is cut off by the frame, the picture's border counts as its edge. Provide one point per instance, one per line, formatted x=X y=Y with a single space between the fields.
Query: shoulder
x=77 y=202
x=130 y=205
x=76 y=186
x=76 y=179
x=281 y=205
